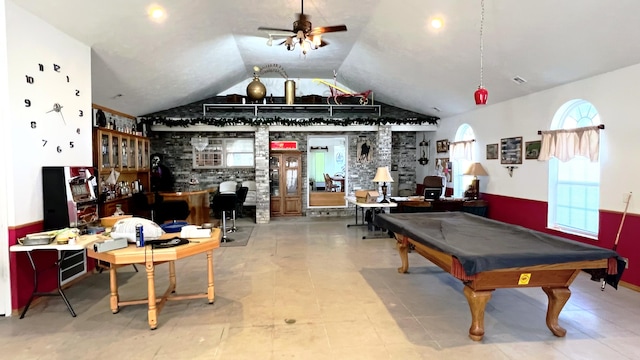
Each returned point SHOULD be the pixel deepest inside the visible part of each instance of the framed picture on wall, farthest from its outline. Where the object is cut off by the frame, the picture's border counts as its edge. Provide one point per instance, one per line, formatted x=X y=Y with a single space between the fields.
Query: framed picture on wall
x=442 y=146
x=511 y=150
x=492 y=151
x=532 y=149
x=364 y=152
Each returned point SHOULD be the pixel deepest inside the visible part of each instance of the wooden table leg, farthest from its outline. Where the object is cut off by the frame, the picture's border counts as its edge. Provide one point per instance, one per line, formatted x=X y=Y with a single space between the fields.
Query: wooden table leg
x=403 y=249
x=477 y=303
x=151 y=294
x=172 y=276
x=210 y=286
x=113 y=284
x=557 y=298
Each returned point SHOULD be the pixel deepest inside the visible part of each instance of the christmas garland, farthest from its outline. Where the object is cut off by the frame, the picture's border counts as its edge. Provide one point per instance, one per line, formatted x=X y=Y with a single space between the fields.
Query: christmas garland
x=236 y=121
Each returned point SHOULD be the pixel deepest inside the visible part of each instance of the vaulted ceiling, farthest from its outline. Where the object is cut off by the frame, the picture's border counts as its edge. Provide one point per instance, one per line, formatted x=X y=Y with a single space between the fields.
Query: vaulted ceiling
x=204 y=47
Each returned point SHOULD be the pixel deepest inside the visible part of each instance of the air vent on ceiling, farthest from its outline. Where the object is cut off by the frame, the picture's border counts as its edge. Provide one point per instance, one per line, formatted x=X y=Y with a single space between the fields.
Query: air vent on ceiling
x=519 y=80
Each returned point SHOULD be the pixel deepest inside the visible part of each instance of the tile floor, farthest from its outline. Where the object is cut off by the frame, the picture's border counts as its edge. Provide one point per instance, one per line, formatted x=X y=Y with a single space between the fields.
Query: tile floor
x=343 y=299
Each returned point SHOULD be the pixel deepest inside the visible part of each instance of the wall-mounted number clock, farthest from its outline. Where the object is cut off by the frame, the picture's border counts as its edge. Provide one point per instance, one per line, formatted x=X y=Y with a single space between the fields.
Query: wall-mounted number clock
x=54 y=106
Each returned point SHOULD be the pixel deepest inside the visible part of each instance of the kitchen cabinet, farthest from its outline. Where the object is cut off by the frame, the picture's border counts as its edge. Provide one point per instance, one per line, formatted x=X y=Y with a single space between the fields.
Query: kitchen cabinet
x=285 y=183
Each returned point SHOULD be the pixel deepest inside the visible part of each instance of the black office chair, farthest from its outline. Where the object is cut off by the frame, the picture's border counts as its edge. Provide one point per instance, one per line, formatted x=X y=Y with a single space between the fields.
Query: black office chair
x=141 y=206
x=171 y=210
x=224 y=203
x=242 y=196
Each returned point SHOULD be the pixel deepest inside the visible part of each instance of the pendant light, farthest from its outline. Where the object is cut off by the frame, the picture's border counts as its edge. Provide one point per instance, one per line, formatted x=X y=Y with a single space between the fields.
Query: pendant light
x=481 y=95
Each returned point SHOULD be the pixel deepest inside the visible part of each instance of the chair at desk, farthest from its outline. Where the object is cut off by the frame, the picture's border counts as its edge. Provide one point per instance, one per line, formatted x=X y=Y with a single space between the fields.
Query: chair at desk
x=252 y=193
x=227 y=187
x=223 y=204
x=329 y=185
x=171 y=211
x=142 y=207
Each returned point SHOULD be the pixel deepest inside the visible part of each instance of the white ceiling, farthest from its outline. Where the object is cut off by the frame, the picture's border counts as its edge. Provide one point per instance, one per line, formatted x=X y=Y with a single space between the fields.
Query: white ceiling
x=206 y=46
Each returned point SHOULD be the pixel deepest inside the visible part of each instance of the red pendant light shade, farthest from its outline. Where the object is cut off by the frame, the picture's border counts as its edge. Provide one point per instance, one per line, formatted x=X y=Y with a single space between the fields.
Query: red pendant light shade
x=481 y=95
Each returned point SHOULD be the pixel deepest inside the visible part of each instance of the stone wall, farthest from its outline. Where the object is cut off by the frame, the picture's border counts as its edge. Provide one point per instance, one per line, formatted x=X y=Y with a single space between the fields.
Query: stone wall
x=397 y=150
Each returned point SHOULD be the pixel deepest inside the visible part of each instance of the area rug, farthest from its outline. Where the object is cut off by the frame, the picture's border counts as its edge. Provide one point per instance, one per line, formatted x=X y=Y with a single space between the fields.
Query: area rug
x=240 y=237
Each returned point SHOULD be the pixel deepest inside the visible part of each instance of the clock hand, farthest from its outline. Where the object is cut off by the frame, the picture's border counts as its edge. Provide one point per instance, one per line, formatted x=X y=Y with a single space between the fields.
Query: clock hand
x=56 y=107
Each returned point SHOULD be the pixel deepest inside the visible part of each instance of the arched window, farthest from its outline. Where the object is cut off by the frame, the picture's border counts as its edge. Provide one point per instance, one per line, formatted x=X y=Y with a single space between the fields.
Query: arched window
x=461 y=164
x=574 y=185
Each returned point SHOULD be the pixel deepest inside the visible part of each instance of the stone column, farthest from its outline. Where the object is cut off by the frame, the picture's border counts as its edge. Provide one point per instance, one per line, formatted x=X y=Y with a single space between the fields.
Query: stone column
x=263 y=207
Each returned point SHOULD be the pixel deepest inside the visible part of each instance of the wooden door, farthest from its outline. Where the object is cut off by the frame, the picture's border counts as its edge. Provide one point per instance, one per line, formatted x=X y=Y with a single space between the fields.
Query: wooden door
x=274 y=184
x=291 y=184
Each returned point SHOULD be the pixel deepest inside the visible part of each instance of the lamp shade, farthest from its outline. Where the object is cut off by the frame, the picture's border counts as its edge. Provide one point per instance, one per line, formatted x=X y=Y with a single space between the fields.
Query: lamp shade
x=383 y=175
x=199 y=143
x=476 y=169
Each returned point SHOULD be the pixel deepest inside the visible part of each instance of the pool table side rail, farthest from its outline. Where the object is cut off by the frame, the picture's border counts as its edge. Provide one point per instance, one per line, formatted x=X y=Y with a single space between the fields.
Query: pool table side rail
x=551 y=275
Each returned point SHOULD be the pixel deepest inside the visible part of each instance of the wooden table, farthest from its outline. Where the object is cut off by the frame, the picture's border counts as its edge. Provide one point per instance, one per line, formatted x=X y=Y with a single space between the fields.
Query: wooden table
x=198 y=204
x=341 y=181
x=152 y=257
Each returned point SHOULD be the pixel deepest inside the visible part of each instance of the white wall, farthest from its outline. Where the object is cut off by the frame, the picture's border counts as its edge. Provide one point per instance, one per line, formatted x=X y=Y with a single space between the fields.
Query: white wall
x=27 y=42
x=615 y=96
x=30 y=42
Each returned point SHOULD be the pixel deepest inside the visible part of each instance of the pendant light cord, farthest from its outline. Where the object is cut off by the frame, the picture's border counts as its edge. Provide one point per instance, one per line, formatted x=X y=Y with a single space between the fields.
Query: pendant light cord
x=481 y=39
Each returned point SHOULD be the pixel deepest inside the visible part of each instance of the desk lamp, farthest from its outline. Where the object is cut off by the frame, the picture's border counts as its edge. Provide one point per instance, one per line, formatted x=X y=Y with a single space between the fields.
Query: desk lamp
x=476 y=170
x=383 y=176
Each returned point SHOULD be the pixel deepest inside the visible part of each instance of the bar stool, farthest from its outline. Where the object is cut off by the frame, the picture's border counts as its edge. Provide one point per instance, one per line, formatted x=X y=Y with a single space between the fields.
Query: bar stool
x=224 y=203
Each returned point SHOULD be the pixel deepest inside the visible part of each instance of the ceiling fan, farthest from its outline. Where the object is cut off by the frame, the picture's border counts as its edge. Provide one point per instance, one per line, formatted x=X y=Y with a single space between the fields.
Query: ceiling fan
x=304 y=34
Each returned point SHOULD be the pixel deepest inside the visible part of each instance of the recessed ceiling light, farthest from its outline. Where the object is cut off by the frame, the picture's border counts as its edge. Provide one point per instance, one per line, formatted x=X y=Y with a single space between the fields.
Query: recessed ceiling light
x=156 y=13
x=437 y=23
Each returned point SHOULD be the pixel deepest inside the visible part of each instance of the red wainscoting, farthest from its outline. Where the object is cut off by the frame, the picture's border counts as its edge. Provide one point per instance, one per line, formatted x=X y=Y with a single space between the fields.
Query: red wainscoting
x=533 y=215
x=21 y=272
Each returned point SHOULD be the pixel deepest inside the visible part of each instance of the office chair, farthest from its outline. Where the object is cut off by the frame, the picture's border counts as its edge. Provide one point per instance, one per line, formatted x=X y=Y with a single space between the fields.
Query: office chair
x=242 y=197
x=224 y=203
x=171 y=210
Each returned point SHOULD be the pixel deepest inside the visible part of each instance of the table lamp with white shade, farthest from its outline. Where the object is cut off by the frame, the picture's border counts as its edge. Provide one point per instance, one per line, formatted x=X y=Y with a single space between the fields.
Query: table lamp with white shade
x=476 y=170
x=383 y=176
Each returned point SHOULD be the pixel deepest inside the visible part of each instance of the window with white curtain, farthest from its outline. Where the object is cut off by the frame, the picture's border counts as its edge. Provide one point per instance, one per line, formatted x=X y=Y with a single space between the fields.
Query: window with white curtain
x=462 y=158
x=574 y=185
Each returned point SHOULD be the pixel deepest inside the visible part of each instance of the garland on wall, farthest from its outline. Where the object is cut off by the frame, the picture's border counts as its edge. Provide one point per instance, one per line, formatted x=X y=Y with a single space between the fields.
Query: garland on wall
x=236 y=121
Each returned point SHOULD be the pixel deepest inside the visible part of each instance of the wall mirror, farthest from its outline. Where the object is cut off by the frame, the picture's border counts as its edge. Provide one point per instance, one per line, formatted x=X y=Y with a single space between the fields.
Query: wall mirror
x=327 y=157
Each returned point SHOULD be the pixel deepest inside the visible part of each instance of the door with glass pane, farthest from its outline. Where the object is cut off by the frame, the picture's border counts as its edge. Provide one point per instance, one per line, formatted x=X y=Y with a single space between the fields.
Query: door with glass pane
x=274 y=184
x=292 y=198
x=285 y=183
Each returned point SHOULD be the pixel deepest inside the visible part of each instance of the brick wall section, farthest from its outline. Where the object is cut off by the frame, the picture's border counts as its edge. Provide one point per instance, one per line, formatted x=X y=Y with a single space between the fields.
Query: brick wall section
x=388 y=148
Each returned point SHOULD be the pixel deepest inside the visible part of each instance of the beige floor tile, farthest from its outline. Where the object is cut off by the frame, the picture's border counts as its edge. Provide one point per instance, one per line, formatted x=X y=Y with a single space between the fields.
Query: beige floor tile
x=307 y=288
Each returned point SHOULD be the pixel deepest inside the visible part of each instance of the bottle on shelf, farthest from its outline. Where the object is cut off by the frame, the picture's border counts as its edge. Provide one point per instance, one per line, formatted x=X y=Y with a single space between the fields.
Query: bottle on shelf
x=118 y=211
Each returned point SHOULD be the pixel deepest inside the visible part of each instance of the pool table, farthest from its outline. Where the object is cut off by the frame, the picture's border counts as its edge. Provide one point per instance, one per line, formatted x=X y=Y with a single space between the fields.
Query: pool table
x=487 y=255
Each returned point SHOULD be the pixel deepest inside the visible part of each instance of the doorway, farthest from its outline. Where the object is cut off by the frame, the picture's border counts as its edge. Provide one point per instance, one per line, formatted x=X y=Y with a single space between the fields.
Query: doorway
x=327 y=170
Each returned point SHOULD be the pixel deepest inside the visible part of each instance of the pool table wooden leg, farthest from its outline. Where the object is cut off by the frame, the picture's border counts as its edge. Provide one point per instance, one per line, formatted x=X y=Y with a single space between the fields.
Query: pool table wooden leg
x=557 y=298
x=477 y=303
x=403 y=249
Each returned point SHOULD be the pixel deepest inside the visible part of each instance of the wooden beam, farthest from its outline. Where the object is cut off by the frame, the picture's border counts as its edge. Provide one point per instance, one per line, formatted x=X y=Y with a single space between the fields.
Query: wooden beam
x=114 y=112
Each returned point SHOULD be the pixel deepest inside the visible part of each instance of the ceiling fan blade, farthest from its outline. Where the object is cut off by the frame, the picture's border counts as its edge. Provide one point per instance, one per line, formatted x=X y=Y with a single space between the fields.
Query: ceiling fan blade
x=328 y=29
x=262 y=28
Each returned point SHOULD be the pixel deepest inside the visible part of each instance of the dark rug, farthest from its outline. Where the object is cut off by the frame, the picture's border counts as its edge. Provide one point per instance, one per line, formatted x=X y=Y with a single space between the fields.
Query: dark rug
x=240 y=237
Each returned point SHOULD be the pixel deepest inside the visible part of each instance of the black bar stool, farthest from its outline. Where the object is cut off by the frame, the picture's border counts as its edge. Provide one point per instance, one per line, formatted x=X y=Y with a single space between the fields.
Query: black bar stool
x=224 y=203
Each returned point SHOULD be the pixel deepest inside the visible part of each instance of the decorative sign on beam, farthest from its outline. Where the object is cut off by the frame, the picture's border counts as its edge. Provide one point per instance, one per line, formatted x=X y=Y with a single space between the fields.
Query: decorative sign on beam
x=283 y=145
